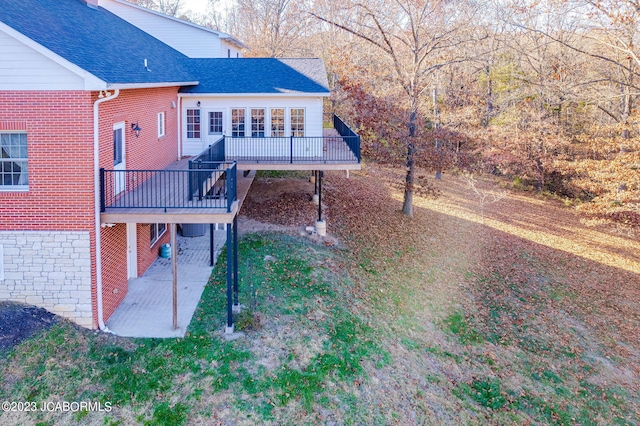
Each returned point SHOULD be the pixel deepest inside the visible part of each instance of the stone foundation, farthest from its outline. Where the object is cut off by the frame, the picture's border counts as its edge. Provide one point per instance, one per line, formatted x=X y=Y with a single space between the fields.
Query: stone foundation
x=48 y=269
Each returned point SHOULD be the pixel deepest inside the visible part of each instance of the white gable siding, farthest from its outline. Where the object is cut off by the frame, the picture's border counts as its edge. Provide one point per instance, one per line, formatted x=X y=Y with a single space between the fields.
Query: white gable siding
x=22 y=68
x=187 y=39
x=228 y=50
x=311 y=105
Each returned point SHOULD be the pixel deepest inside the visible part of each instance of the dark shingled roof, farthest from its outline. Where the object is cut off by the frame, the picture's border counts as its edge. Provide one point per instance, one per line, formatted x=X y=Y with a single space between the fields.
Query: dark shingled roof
x=96 y=40
x=259 y=75
x=113 y=50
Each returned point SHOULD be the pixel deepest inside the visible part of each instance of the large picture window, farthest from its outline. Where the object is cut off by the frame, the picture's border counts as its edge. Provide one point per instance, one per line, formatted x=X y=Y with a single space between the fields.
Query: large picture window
x=297 y=122
x=215 y=122
x=237 y=123
x=277 y=122
x=13 y=160
x=193 y=124
x=257 y=123
x=155 y=232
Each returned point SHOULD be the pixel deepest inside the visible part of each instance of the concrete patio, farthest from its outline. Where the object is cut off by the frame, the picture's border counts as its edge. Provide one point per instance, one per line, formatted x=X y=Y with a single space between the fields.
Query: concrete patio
x=147 y=311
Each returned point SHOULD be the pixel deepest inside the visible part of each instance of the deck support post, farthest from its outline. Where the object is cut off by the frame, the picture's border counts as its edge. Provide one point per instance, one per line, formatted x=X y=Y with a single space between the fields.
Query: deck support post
x=229 y=328
x=212 y=246
x=235 y=263
x=174 y=262
x=319 y=180
x=321 y=225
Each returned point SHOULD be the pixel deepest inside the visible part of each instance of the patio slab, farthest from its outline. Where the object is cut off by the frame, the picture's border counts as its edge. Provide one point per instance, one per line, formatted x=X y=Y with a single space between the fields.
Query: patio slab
x=147 y=310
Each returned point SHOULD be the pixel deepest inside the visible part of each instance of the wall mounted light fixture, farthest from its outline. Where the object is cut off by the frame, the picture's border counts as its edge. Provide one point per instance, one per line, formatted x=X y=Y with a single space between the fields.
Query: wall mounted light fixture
x=136 y=129
x=198 y=104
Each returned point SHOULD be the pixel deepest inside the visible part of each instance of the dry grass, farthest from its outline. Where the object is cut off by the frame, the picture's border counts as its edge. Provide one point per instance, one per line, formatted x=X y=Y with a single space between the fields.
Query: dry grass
x=532 y=301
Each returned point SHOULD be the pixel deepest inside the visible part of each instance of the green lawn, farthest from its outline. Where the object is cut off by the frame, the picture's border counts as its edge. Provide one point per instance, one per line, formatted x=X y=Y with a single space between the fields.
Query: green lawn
x=304 y=348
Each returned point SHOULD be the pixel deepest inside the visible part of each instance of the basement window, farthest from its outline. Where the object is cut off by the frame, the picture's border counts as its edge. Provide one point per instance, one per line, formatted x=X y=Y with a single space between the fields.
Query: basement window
x=156 y=230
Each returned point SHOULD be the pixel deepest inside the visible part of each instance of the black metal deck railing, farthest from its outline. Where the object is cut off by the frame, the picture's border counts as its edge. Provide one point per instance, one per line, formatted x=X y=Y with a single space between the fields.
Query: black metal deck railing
x=293 y=150
x=351 y=138
x=211 y=186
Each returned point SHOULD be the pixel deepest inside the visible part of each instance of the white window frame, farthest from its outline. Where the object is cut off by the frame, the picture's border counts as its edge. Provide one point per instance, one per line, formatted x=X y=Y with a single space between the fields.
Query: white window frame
x=284 y=122
x=161 y=124
x=199 y=124
x=209 y=114
x=18 y=187
x=304 y=122
x=244 y=123
x=264 y=123
x=156 y=226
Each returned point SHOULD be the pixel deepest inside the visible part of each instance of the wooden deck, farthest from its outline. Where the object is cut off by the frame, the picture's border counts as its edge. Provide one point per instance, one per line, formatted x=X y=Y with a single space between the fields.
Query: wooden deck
x=206 y=210
x=336 y=156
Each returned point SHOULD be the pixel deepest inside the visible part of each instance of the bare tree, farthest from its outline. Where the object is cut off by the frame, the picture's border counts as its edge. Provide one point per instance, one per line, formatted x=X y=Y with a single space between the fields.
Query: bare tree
x=417 y=37
x=273 y=28
x=168 y=7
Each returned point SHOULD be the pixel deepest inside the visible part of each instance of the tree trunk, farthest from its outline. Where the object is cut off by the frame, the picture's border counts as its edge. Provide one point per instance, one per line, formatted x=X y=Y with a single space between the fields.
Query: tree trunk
x=407 y=207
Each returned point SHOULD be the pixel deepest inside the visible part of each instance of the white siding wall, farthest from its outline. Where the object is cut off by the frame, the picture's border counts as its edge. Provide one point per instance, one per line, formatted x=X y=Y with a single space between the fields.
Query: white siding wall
x=311 y=105
x=228 y=50
x=22 y=68
x=191 y=41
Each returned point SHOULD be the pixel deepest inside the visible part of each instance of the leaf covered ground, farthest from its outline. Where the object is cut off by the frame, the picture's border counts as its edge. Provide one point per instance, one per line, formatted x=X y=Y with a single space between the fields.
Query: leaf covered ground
x=512 y=312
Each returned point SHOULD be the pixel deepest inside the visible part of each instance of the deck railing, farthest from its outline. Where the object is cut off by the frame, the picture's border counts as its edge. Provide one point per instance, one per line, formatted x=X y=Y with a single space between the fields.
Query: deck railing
x=351 y=138
x=214 y=152
x=201 y=188
x=292 y=150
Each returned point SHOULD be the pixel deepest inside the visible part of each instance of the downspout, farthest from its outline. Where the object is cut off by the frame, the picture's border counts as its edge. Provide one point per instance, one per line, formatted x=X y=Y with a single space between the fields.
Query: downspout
x=96 y=188
x=179 y=108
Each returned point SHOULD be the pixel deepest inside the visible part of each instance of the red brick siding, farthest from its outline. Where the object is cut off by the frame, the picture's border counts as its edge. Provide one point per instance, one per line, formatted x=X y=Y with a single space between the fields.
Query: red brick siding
x=59 y=128
x=114 y=267
x=147 y=151
x=147 y=254
x=141 y=106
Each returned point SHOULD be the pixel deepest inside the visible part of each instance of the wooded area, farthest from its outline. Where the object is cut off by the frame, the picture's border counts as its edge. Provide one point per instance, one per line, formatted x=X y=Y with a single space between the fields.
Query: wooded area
x=543 y=93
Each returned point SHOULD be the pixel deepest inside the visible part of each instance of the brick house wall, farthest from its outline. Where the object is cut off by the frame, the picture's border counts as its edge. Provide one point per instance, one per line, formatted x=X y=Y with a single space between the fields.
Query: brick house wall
x=47 y=233
x=48 y=252
x=148 y=151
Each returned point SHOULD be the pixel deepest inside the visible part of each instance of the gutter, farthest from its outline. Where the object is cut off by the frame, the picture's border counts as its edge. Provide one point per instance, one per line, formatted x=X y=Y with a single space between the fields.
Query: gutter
x=96 y=183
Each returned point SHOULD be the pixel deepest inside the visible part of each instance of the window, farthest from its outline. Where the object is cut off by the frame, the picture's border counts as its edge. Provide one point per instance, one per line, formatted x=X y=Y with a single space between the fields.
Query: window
x=155 y=232
x=161 y=124
x=228 y=53
x=257 y=123
x=237 y=123
x=193 y=124
x=13 y=161
x=297 y=122
x=277 y=122
x=215 y=123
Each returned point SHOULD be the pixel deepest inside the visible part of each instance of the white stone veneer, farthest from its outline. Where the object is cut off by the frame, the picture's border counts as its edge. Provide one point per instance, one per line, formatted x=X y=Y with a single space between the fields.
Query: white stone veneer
x=49 y=269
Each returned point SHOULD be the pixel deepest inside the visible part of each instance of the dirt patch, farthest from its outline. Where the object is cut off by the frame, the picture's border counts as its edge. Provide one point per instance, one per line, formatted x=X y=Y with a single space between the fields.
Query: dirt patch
x=19 y=322
x=283 y=205
x=281 y=202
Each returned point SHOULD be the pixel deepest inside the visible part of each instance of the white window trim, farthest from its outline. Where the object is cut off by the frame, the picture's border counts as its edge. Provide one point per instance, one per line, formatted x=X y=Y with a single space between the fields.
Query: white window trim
x=264 y=121
x=158 y=236
x=245 y=121
x=284 y=121
x=209 y=122
x=161 y=124
x=304 y=117
x=186 y=124
x=17 y=188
